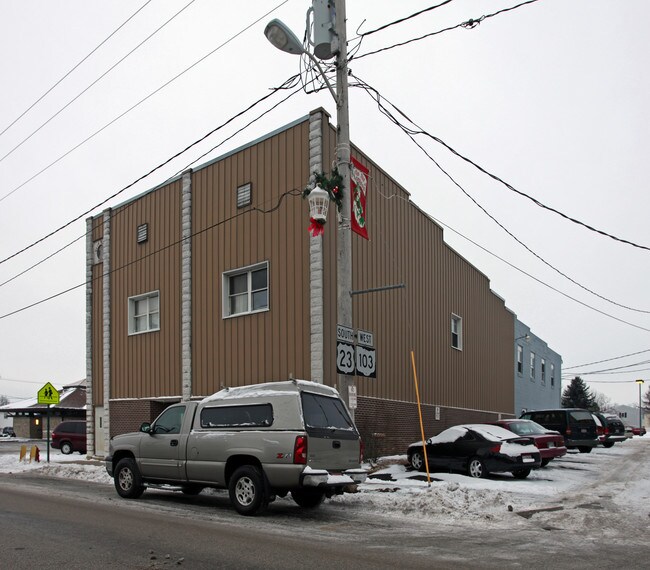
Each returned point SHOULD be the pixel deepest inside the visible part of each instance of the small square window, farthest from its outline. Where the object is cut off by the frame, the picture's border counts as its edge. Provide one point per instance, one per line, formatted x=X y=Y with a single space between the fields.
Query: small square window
x=456 y=332
x=246 y=290
x=144 y=313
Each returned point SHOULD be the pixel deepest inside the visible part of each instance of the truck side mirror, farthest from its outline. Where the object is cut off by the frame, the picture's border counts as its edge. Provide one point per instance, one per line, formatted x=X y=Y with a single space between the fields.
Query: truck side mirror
x=145 y=427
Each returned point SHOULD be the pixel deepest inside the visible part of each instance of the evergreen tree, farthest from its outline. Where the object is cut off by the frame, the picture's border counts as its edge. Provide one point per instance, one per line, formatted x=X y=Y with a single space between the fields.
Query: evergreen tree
x=578 y=395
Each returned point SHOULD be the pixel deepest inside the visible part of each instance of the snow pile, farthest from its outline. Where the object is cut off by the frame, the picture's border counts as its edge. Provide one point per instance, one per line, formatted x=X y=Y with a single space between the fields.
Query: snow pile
x=571 y=493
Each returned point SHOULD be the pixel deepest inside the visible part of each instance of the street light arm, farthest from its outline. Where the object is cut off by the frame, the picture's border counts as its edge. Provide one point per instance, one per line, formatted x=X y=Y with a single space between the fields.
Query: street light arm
x=322 y=72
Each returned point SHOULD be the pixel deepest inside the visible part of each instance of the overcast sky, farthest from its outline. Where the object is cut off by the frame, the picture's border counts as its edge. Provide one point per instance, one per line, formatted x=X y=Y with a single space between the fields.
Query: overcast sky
x=550 y=97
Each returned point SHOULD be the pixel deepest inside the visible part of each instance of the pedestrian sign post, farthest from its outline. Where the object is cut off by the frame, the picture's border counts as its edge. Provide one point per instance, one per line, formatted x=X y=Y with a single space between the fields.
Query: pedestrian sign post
x=48 y=395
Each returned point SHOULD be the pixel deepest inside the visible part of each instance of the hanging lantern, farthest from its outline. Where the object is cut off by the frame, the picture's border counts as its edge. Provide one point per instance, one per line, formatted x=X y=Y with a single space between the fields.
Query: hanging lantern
x=319 y=201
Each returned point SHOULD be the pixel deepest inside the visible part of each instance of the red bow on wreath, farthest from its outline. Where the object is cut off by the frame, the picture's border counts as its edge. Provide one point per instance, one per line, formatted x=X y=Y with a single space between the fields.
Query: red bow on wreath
x=316 y=227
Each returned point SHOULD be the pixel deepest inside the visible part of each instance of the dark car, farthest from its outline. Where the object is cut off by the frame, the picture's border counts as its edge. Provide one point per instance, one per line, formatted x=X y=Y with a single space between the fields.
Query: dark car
x=550 y=443
x=7 y=431
x=478 y=450
x=70 y=436
x=613 y=429
x=639 y=430
x=575 y=424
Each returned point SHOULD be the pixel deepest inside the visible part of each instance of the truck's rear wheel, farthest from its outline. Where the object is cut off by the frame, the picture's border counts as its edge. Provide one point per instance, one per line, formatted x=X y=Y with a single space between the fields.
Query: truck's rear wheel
x=247 y=490
x=128 y=481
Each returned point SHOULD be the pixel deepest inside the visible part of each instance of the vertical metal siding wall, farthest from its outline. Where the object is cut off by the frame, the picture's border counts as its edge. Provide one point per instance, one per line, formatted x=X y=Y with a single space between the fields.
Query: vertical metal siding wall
x=268 y=345
x=406 y=246
x=147 y=364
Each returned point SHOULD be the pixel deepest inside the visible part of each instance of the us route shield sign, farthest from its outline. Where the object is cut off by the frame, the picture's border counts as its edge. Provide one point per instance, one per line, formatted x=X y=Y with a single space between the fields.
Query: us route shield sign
x=48 y=394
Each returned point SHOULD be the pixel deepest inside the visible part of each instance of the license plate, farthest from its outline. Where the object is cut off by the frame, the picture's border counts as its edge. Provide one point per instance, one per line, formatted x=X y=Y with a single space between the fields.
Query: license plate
x=583 y=430
x=551 y=444
x=527 y=459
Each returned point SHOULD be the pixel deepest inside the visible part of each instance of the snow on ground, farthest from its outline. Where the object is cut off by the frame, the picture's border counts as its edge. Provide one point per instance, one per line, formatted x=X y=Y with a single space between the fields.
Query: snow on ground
x=573 y=490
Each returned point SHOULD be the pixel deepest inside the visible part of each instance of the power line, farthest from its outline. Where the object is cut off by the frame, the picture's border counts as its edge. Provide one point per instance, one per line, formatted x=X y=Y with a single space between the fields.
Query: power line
x=609 y=370
x=21 y=143
x=195 y=160
x=164 y=163
x=468 y=24
x=606 y=360
x=293 y=192
x=530 y=276
x=411 y=132
x=154 y=92
x=75 y=67
x=402 y=20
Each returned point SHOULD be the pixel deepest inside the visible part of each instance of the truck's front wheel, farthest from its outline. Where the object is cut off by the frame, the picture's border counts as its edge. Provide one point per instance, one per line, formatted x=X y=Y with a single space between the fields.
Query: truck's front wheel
x=128 y=481
x=247 y=491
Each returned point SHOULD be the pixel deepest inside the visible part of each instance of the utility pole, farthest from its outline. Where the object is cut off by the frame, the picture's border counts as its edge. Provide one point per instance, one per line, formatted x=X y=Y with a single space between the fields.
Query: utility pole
x=344 y=237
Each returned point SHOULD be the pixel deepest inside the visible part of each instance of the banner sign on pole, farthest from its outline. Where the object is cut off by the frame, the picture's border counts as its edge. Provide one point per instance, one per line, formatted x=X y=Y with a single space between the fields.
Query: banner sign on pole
x=359 y=189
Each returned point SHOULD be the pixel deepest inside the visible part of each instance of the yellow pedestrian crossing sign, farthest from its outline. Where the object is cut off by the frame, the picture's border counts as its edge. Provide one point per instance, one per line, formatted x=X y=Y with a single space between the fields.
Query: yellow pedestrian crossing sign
x=48 y=394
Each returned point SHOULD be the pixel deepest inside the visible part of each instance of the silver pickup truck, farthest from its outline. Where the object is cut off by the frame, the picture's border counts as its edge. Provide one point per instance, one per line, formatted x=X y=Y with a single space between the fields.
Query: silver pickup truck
x=258 y=441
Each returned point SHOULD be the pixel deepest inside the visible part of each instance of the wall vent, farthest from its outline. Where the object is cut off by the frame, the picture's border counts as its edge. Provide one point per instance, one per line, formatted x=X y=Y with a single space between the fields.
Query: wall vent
x=244 y=195
x=142 y=233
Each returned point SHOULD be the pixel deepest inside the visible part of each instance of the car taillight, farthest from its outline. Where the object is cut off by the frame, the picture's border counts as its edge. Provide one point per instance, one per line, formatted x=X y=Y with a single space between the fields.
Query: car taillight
x=568 y=430
x=362 y=449
x=606 y=431
x=300 y=450
x=495 y=448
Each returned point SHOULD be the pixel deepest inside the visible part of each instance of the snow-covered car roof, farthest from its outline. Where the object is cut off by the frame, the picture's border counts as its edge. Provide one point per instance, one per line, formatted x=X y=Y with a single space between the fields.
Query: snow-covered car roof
x=274 y=389
x=454 y=433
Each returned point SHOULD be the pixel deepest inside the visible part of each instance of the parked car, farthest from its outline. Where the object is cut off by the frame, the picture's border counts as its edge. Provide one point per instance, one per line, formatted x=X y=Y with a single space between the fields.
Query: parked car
x=550 y=443
x=639 y=430
x=478 y=450
x=7 y=431
x=612 y=427
x=70 y=436
x=575 y=424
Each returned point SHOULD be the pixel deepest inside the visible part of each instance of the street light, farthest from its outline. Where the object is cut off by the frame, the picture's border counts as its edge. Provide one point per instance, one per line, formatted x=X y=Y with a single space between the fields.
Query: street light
x=640 y=383
x=285 y=40
x=281 y=36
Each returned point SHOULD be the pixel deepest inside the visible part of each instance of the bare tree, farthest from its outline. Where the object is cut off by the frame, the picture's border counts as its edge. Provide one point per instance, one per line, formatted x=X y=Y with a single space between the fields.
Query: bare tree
x=604 y=402
x=3 y=400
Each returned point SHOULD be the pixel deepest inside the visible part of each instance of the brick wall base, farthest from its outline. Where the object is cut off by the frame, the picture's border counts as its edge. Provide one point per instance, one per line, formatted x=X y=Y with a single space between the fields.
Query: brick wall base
x=127 y=415
x=388 y=427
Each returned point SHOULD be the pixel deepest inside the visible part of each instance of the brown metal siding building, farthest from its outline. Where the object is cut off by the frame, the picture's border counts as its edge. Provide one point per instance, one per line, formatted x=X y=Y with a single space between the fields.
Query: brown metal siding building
x=158 y=326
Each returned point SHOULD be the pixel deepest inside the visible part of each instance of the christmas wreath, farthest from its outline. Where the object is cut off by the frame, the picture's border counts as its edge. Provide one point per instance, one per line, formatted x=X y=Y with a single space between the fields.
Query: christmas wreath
x=332 y=185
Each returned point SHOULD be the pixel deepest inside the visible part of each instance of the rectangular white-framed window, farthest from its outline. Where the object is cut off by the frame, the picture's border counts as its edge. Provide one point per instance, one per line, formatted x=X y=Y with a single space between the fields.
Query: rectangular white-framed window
x=543 y=378
x=532 y=366
x=246 y=290
x=552 y=375
x=144 y=313
x=456 y=332
x=520 y=359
